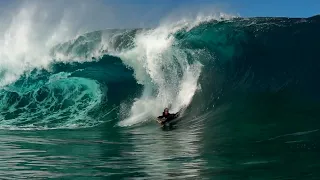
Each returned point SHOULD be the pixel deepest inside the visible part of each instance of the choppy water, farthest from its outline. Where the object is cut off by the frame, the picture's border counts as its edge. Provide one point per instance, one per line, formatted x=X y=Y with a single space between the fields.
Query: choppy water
x=190 y=152
x=85 y=108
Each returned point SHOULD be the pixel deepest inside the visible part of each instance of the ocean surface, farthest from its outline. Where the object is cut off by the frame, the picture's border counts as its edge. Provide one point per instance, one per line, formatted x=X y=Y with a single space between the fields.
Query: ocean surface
x=86 y=107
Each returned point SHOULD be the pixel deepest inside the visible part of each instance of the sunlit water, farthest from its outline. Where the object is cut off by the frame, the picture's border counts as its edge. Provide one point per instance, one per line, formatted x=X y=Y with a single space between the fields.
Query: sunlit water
x=189 y=151
x=143 y=152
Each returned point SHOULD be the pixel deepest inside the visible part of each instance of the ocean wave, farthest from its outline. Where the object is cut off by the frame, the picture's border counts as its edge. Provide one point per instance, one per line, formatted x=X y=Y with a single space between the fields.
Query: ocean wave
x=134 y=74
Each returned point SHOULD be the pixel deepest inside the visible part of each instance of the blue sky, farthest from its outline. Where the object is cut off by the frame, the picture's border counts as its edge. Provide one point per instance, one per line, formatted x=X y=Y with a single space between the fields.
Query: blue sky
x=291 y=8
x=247 y=8
x=101 y=14
x=150 y=12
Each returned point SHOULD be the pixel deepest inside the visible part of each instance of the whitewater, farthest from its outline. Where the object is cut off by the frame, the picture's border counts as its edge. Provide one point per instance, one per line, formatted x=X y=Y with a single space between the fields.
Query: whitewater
x=78 y=100
x=157 y=61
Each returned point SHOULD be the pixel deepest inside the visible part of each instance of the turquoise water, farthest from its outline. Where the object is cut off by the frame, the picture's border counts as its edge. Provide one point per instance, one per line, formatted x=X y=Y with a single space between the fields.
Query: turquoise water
x=191 y=151
x=98 y=153
x=248 y=88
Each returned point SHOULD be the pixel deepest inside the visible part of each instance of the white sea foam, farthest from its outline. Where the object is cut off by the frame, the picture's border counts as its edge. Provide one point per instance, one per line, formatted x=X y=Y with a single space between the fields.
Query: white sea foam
x=168 y=78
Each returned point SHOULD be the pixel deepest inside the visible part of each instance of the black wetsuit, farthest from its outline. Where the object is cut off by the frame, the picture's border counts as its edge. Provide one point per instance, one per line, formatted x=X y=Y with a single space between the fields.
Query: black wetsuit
x=168 y=117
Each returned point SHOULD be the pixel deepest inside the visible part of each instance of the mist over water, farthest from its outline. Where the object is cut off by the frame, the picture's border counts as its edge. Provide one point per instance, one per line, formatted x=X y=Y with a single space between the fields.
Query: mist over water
x=80 y=91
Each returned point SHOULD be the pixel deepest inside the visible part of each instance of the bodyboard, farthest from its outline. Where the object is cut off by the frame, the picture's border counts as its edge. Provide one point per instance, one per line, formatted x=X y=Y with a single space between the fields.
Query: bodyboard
x=172 y=121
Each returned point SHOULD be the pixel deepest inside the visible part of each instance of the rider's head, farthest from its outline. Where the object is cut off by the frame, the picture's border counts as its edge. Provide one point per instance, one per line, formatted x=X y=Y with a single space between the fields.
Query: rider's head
x=166 y=111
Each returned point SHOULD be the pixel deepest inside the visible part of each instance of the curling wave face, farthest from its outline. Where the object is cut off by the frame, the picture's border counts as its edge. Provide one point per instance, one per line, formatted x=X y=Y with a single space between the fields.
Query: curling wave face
x=131 y=75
